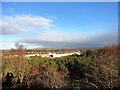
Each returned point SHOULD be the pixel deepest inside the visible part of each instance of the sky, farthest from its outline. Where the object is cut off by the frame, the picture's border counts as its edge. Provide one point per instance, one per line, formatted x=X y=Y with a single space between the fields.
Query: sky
x=59 y=24
x=60 y=0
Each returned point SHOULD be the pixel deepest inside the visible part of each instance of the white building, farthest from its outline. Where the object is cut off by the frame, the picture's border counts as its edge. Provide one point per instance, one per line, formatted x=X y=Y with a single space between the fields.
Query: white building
x=59 y=55
x=29 y=55
x=54 y=55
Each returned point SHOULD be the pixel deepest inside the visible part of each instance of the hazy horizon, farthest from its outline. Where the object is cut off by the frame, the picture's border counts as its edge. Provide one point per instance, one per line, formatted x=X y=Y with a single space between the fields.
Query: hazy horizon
x=59 y=24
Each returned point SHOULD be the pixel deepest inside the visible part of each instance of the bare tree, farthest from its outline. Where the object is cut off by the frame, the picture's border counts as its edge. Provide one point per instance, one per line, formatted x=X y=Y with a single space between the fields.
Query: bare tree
x=20 y=51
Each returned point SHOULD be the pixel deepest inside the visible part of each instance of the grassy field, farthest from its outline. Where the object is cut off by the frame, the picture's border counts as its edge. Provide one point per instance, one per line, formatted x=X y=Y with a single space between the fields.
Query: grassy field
x=97 y=68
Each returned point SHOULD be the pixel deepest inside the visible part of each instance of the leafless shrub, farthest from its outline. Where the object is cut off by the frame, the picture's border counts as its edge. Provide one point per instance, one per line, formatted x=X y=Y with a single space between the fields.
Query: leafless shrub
x=46 y=76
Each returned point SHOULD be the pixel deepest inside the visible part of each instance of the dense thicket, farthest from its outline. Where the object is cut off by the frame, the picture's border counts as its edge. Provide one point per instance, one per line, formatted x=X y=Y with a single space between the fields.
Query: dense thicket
x=97 y=68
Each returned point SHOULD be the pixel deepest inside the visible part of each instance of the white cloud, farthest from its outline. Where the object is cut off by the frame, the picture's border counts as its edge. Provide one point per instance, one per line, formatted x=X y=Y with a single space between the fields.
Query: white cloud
x=60 y=39
x=57 y=38
x=22 y=23
x=33 y=46
x=11 y=9
x=56 y=35
x=7 y=45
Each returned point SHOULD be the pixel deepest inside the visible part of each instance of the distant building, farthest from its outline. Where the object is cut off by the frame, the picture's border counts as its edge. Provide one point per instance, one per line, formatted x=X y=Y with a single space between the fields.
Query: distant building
x=59 y=55
x=54 y=55
x=29 y=55
x=79 y=53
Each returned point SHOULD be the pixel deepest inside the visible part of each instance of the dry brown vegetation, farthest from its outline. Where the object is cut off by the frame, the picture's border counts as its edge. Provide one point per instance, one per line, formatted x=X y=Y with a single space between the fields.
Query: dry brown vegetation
x=97 y=68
